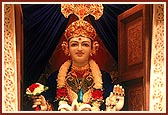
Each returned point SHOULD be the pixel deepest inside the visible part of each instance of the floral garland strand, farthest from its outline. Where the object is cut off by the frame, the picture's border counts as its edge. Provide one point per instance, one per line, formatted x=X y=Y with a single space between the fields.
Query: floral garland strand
x=62 y=74
x=97 y=76
x=61 y=93
x=97 y=93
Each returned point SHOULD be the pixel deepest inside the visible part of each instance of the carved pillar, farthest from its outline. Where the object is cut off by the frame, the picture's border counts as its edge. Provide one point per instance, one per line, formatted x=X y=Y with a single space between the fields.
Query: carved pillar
x=9 y=71
x=158 y=65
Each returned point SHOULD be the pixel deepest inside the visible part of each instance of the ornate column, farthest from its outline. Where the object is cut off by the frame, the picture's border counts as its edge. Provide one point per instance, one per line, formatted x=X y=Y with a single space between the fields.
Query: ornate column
x=9 y=71
x=158 y=61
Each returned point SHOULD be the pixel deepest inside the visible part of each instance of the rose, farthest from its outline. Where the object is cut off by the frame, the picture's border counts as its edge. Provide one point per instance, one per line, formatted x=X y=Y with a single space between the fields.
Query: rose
x=33 y=86
x=35 y=89
x=97 y=94
x=61 y=92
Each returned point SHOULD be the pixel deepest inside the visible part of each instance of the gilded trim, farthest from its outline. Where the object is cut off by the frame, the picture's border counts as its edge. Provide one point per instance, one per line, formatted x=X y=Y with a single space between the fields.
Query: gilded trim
x=158 y=73
x=9 y=61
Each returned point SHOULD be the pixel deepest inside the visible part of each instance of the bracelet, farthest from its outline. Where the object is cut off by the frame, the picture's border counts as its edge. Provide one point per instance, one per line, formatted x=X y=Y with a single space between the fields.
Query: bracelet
x=118 y=94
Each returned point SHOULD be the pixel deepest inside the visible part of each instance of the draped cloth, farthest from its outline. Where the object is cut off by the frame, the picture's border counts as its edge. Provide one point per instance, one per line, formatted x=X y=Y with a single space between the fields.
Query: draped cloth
x=44 y=26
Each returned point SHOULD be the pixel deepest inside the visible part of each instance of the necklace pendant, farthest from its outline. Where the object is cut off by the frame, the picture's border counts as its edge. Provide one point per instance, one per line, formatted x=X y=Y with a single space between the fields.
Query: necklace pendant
x=80 y=95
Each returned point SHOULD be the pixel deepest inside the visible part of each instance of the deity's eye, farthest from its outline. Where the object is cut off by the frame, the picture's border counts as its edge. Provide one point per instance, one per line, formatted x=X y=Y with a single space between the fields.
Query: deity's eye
x=73 y=44
x=85 y=44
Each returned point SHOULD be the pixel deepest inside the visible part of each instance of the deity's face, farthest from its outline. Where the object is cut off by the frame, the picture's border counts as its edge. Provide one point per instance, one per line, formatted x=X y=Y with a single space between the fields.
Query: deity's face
x=80 y=49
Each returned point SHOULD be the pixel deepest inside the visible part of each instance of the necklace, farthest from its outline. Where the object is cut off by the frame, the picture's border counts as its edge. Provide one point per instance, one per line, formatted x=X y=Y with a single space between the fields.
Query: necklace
x=73 y=67
x=95 y=75
x=79 y=72
x=77 y=80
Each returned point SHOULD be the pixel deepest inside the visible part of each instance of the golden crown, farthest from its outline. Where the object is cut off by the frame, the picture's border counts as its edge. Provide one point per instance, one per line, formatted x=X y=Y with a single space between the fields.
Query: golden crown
x=81 y=27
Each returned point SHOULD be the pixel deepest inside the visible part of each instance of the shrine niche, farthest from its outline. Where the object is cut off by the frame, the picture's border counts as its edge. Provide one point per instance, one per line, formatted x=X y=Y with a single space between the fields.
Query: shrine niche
x=134 y=60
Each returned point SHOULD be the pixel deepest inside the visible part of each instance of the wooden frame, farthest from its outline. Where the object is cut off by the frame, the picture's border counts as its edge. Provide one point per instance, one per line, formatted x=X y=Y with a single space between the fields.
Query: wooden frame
x=12 y=55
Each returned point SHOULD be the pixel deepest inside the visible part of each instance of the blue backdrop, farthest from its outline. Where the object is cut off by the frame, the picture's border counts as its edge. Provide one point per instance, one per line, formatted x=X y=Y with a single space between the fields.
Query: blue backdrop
x=44 y=25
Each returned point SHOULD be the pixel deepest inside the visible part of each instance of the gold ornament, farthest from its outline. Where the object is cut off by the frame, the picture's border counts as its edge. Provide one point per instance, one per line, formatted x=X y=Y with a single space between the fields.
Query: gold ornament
x=81 y=27
x=82 y=10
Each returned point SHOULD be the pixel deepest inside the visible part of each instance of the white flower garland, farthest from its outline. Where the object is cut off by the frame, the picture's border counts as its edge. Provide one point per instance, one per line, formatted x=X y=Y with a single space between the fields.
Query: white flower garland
x=97 y=76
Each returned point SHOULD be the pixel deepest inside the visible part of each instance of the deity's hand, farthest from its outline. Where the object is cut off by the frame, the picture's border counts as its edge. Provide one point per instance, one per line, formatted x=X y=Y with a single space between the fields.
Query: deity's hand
x=115 y=101
x=39 y=101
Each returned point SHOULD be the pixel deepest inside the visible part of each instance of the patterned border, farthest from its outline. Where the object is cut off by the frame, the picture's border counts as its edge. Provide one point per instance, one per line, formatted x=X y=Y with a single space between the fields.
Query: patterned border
x=158 y=73
x=9 y=61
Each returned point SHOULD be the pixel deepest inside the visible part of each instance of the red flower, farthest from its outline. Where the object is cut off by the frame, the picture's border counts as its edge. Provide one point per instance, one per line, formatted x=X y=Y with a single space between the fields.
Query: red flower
x=33 y=86
x=62 y=92
x=97 y=94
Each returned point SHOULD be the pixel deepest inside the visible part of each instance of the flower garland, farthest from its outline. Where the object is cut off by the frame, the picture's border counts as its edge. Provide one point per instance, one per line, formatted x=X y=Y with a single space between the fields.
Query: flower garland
x=97 y=92
x=62 y=74
x=97 y=76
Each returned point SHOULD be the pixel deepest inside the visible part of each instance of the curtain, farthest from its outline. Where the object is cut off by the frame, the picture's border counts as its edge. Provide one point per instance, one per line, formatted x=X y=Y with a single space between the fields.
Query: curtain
x=43 y=28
